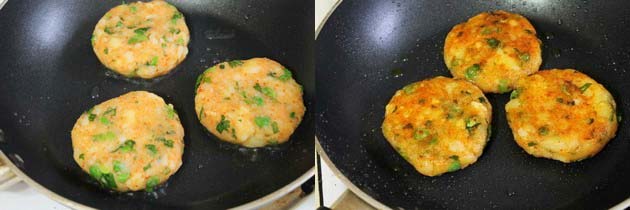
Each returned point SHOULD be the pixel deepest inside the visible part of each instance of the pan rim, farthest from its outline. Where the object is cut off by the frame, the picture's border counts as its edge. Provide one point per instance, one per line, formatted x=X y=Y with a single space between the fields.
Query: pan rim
x=259 y=202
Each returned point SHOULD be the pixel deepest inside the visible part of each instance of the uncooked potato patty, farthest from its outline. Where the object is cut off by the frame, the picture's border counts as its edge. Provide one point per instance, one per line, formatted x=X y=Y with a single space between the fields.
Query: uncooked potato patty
x=561 y=114
x=141 y=39
x=439 y=125
x=493 y=50
x=252 y=102
x=131 y=142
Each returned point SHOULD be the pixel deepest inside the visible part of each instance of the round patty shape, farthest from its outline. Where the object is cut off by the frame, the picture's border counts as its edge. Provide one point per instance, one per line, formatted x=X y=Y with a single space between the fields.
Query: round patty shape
x=131 y=142
x=141 y=39
x=252 y=102
x=438 y=125
x=493 y=50
x=561 y=114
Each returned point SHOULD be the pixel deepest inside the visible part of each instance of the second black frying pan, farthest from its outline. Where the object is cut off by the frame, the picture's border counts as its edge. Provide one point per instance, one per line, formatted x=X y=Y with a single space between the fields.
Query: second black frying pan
x=49 y=76
x=363 y=41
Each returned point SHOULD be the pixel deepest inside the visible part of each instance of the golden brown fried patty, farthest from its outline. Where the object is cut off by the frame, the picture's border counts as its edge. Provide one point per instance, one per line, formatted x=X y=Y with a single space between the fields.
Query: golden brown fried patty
x=131 y=142
x=493 y=50
x=561 y=114
x=439 y=125
x=251 y=102
x=141 y=39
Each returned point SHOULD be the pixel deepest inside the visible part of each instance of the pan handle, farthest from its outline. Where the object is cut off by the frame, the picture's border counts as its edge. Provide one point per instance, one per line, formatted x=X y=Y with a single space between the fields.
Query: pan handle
x=7 y=177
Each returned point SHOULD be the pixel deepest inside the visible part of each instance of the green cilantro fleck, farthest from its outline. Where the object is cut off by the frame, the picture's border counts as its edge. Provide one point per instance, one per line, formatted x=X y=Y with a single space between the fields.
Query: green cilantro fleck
x=178 y=15
x=223 y=125
x=166 y=142
x=170 y=111
x=420 y=134
x=292 y=114
x=265 y=91
x=82 y=156
x=515 y=93
x=152 y=148
x=126 y=146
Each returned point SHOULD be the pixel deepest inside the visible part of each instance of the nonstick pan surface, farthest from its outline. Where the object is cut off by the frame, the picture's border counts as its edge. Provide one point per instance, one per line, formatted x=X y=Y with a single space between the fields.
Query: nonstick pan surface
x=49 y=76
x=363 y=42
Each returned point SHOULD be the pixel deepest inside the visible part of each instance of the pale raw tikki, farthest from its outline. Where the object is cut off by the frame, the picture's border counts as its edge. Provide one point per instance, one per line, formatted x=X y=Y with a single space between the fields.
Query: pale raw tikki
x=141 y=39
x=493 y=50
x=131 y=142
x=561 y=114
x=438 y=125
x=252 y=102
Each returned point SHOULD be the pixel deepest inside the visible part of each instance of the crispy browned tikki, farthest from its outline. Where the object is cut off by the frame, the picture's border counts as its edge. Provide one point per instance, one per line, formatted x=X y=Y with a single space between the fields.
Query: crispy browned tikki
x=439 y=125
x=493 y=50
x=561 y=114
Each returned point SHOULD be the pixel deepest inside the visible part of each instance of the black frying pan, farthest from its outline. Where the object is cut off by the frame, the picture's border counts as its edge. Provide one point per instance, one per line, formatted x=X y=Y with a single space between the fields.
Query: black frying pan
x=49 y=76
x=363 y=41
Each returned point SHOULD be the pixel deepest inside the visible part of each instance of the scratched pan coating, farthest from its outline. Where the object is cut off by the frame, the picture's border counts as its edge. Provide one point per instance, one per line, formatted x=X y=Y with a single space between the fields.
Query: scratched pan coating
x=49 y=75
x=369 y=49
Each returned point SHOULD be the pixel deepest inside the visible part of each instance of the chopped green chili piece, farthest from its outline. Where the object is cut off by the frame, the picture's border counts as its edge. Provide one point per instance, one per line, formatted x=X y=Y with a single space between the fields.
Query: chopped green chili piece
x=103 y=178
x=471 y=123
x=420 y=134
x=141 y=31
x=174 y=30
x=137 y=38
x=262 y=121
x=455 y=164
x=152 y=148
x=105 y=121
x=110 y=111
x=221 y=66
x=119 y=24
x=154 y=61
x=176 y=16
x=286 y=75
x=82 y=156
x=503 y=86
x=180 y=41
x=565 y=89
x=254 y=100
x=147 y=167
x=433 y=141
x=93 y=39
x=235 y=63
x=265 y=90
x=274 y=127
x=492 y=42
x=515 y=94
x=531 y=144
x=122 y=177
x=584 y=87
x=118 y=166
x=104 y=136
x=106 y=51
x=170 y=111
x=486 y=31
x=524 y=57
x=543 y=130
x=472 y=71
x=223 y=125
x=410 y=88
x=127 y=146
x=108 y=30
x=292 y=115
x=151 y=183
x=201 y=115
x=166 y=142
x=482 y=99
